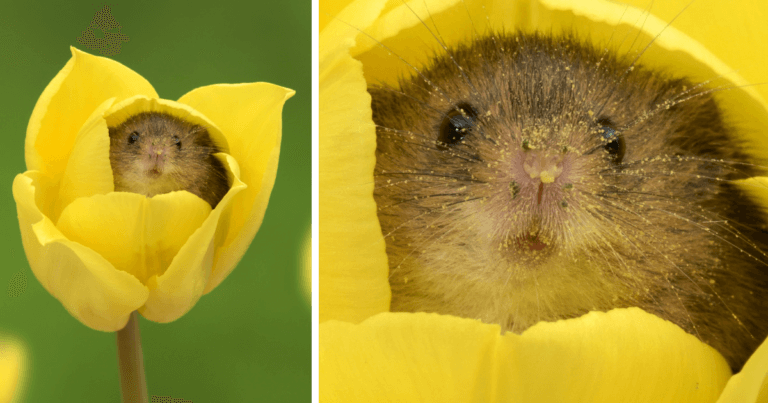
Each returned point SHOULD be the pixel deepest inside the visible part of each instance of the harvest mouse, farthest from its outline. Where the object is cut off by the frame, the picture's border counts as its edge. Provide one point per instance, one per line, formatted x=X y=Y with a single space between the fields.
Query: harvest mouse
x=530 y=177
x=153 y=153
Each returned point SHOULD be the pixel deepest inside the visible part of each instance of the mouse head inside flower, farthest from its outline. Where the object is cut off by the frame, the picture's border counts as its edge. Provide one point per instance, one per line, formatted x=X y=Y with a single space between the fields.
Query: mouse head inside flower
x=156 y=152
x=104 y=250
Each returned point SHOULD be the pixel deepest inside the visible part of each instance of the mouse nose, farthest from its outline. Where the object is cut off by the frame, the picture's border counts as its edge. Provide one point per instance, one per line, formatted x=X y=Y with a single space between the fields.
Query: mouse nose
x=157 y=154
x=156 y=149
x=543 y=165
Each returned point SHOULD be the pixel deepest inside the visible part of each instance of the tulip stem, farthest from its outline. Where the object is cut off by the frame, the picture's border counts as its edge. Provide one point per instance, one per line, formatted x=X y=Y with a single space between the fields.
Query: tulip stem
x=133 y=383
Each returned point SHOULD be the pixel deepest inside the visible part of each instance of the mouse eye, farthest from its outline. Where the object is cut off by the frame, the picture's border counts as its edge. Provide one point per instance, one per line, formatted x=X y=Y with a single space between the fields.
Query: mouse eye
x=457 y=124
x=177 y=141
x=613 y=141
x=134 y=137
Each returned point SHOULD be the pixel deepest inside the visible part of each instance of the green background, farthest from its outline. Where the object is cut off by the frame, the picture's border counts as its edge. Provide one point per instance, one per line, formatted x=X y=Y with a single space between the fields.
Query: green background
x=248 y=340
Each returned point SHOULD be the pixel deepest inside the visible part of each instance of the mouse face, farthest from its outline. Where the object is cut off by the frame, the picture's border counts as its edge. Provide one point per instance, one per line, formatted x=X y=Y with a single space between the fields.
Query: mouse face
x=153 y=153
x=523 y=178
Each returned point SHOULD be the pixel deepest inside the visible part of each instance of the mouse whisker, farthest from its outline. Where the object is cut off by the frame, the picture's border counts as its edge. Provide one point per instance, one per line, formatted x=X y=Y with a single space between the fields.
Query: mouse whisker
x=715 y=293
x=690 y=208
x=642 y=52
x=388 y=49
x=647 y=174
x=731 y=165
x=386 y=87
x=430 y=144
x=439 y=40
x=413 y=249
x=410 y=200
x=669 y=103
x=682 y=272
x=420 y=173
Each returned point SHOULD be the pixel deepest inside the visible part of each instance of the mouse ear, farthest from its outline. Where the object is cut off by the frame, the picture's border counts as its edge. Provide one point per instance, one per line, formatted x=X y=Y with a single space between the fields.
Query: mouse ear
x=122 y=111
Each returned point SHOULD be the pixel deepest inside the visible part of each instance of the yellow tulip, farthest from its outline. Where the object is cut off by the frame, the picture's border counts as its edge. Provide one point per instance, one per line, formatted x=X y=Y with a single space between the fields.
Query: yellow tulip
x=627 y=355
x=305 y=276
x=13 y=369
x=104 y=254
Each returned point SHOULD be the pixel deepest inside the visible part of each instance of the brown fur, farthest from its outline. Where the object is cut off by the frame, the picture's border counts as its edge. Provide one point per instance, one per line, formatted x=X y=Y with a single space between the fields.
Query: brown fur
x=189 y=165
x=664 y=229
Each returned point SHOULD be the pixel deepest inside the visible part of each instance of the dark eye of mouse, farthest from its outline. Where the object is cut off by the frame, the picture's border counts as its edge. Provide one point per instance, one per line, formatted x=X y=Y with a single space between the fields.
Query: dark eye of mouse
x=613 y=140
x=133 y=138
x=457 y=124
x=177 y=141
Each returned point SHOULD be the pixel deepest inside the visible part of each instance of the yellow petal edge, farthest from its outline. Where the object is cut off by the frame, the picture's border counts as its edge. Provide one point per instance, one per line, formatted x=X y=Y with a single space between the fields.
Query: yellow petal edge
x=353 y=262
x=616 y=356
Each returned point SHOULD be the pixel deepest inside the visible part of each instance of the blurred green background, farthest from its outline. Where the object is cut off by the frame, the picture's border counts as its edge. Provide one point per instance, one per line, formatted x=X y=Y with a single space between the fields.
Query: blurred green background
x=248 y=340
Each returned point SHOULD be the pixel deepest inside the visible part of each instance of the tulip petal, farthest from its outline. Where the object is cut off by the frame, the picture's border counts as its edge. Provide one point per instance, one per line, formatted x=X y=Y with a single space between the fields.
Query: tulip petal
x=757 y=189
x=353 y=262
x=305 y=277
x=625 y=355
x=13 y=363
x=175 y=292
x=751 y=384
x=85 y=82
x=84 y=282
x=250 y=116
x=138 y=235
x=89 y=160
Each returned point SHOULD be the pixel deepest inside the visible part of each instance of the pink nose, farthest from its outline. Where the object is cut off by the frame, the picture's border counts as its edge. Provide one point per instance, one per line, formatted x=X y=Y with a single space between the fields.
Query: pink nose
x=543 y=165
x=157 y=156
